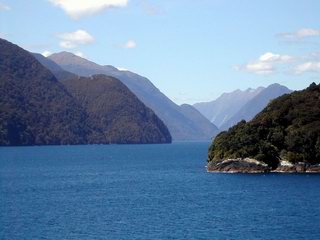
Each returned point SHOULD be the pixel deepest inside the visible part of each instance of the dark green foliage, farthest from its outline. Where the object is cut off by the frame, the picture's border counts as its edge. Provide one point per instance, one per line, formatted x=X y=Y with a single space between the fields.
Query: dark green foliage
x=36 y=109
x=288 y=128
x=116 y=112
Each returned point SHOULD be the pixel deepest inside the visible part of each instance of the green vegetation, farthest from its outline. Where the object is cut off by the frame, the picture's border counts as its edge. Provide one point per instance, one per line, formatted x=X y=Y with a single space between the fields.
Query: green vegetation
x=36 y=109
x=116 y=112
x=287 y=129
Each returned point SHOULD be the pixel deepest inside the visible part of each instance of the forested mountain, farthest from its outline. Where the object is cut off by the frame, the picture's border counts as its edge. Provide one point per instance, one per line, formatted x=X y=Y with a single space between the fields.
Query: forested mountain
x=116 y=112
x=288 y=129
x=180 y=125
x=37 y=109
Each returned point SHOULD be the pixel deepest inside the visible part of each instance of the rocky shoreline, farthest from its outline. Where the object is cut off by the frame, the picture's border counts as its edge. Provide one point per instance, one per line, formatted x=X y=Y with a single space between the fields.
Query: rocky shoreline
x=249 y=165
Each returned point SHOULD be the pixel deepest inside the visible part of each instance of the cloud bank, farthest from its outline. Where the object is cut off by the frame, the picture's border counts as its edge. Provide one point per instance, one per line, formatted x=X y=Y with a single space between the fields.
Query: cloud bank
x=299 y=35
x=269 y=63
x=265 y=64
x=74 y=39
x=307 y=67
x=77 y=9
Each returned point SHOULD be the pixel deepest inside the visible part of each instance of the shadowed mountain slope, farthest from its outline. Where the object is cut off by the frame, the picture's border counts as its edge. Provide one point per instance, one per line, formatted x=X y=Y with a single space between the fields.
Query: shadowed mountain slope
x=37 y=109
x=180 y=125
x=116 y=112
x=54 y=68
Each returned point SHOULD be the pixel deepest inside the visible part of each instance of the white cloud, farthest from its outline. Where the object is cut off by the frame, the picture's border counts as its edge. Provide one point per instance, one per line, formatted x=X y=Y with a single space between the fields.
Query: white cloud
x=46 y=53
x=80 y=54
x=300 y=34
x=256 y=67
x=272 y=57
x=307 y=67
x=80 y=8
x=4 y=7
x=265 y=64
x=122 y=69
x=130 y=44
x=74 y=39
x=79 y=36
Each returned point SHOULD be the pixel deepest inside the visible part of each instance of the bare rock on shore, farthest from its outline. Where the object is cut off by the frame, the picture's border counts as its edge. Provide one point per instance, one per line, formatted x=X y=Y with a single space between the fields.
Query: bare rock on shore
x=246 y=165
x=286 y=167
x=249 y=165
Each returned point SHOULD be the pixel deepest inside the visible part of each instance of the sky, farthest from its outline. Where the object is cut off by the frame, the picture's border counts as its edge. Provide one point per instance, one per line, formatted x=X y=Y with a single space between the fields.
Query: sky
x=193 y=51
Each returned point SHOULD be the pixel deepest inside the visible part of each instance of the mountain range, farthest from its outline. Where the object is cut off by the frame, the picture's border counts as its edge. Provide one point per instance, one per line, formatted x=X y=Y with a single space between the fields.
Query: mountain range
x=75 y=75
x=219 y=111
x=37 y=109
x=231 y=108
x=256 y=104
x=182 y=125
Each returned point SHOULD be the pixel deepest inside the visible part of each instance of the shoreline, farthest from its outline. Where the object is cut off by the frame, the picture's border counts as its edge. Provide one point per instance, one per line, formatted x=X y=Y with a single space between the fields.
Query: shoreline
x=253 y=166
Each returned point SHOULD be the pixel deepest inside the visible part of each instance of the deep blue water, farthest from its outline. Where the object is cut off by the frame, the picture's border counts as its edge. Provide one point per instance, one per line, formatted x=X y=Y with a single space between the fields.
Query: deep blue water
x=147 y=192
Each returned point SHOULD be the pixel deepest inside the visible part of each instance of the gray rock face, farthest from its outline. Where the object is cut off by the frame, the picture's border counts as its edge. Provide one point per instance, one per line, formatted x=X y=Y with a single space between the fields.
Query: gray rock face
x=248 y=165
x=298 y=168
x=238 y=166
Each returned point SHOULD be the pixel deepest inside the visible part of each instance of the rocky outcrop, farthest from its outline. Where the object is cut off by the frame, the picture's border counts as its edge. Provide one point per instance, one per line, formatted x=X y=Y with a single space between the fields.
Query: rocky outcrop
x=249 y=165
x=286 y=167
x=239 y=165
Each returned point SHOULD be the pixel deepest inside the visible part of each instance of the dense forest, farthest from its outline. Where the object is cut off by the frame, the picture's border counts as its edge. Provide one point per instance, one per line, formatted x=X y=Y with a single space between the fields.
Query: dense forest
x=116 y=112
x=36 y=109
x=287 y=129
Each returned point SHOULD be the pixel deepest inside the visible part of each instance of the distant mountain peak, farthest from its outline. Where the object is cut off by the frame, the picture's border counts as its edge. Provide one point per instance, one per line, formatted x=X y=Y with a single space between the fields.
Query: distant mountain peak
x=68 y=57
x=220 y=110
x=71 y=62
x=256 y=104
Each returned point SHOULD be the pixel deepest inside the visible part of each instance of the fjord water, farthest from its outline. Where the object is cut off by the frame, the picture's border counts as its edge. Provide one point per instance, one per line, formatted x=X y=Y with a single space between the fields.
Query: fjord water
x=147 y=192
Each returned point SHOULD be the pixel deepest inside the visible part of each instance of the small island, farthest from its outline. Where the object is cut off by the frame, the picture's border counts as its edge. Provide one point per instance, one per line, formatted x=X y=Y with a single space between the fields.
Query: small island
x=283 y=138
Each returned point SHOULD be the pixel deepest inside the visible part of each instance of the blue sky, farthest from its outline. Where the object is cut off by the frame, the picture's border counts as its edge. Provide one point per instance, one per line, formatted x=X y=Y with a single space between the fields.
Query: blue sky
x=191 y=50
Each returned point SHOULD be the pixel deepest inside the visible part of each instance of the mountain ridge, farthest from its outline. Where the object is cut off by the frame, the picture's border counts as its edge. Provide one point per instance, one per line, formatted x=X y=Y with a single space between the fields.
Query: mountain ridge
x=181 y=126
x=225 y=106
x=256 y=104
x=37 y=109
